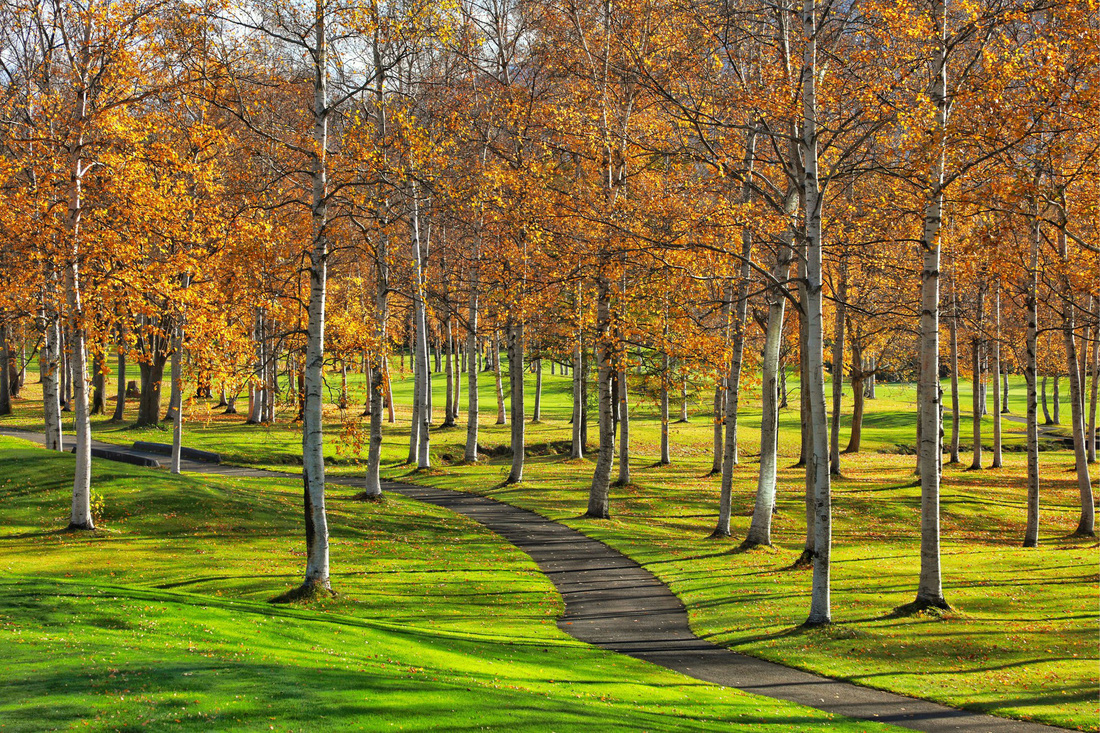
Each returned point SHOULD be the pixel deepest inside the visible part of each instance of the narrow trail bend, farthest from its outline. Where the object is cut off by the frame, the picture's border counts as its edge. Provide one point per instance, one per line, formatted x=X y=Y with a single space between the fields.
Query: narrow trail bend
x=613 y=602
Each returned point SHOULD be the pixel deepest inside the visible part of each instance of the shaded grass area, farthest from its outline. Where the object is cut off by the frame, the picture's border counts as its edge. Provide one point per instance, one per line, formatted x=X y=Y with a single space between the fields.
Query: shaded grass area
x=158 y=620
x=1020 y=643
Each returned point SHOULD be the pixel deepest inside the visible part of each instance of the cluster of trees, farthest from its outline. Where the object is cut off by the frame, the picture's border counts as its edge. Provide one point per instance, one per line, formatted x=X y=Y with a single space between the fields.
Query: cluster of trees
x=647 y=191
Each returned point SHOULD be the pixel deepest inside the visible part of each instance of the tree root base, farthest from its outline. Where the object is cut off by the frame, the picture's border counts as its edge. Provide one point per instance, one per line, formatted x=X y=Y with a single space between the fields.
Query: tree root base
x=805 y=560
x=932 y=606
x=305 y=592
x=364 y=496
x=75 y=527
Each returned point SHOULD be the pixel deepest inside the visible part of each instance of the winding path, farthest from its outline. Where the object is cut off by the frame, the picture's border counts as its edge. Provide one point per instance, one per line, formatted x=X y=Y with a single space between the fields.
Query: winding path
x=614 y=603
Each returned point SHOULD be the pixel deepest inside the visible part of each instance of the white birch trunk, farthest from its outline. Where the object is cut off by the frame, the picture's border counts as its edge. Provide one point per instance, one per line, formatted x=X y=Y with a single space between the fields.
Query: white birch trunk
x=1086 y=526
x=930 y=587
x=996 y=379
x=515 y=380
x=473 y=404
x=51 y=397
x=760 y=528
x=598 y=492
x=978 y=398
x=313 y=458
x=1031 y=533
x=820 y=606
x=578 y=384
x=624 y=430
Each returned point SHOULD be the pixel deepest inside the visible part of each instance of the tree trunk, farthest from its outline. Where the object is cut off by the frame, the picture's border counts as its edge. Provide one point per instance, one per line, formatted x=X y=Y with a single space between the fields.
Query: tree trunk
x=420 y=308
x=177 y=389
x=1046 y=410
x=51 y=371
x=1086 y=526
x=152 y=376
x=1057 y=398
x=536 y=411
x=978 y=379
x=930 y=588
x=99 y=385
x=502 y=416
x=1004 y=392
x=5 y=370
x=838 y=368
x=666 y=458
x=955 y=410
x=313 y=458
x=449 y=368
x=820 y=606
x=624 y=431
x=378 y=375
x=578 y=385
x=996 y=380
x=858 y=396
x=760 y=529
x=516 y=349
x=473 y=404
x=1093 y=394
x=175 y=395
x=719 y=423
x=1031 y=533
x=598 y=492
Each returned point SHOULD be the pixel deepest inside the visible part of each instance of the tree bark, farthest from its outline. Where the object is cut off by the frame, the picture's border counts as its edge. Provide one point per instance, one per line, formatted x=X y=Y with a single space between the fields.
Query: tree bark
x=1092 y=435
x=449 y=369
x=930 y=587
x=820 y=605
x=666 y=458
x=624 y=430
x=516 y=349
x=578 y=384
x=760 y=528
x=5 y=370
x=473 y=405
x=955 y=409
x=858 y=396
x=536 y=410
x=978 y=379
x=1046 y=410
x=838 y=368
x=1086 y=526
x=599 y=490
x=502 y=416
x=1031 y=533
x=996 y=380
x=313 y=458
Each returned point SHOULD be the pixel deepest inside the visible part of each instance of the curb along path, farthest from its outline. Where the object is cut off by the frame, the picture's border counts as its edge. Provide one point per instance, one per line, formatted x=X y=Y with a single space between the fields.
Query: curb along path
x=614 y=603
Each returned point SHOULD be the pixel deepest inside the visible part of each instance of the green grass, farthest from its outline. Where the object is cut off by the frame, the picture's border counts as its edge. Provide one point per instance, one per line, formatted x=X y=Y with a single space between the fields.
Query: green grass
x=1021 y=643
x=158 y=621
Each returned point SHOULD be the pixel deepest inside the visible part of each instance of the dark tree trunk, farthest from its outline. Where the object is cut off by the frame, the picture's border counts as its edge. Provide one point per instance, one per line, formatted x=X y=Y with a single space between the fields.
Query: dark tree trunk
x=152 y=375
x=98 y=386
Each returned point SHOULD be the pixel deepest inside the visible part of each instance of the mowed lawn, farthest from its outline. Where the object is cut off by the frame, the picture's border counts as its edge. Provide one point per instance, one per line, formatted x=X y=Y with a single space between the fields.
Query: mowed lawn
x=159 y=621
x=1021 y=641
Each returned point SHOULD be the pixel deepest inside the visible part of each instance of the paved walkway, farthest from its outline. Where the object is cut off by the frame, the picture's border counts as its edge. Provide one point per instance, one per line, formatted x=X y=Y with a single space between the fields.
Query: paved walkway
x=613 y=602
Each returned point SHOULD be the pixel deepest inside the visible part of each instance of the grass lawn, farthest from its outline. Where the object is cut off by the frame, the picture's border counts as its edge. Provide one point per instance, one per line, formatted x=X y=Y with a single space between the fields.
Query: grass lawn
x=1021 y=642
x=158 y=621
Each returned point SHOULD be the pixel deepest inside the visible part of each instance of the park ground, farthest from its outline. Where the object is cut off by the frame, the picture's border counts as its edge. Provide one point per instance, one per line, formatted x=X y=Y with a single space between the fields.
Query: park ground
x=161 y=614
